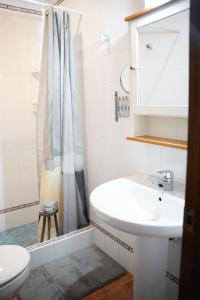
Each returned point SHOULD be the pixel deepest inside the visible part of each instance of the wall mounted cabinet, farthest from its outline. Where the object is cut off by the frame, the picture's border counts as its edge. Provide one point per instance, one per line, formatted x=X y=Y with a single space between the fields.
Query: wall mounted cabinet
x=159 y=74
x=160 y=60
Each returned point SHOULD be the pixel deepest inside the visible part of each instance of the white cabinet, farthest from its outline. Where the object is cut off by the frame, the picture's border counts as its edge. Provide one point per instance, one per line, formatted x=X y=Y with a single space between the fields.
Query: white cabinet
x=160 y=61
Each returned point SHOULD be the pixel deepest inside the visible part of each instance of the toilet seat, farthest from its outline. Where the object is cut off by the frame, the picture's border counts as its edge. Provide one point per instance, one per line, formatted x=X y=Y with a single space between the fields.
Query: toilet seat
x=13 y=261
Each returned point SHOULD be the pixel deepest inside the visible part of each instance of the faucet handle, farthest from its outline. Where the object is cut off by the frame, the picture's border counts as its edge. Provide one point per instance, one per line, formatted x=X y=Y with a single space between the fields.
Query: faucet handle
x=167 y=174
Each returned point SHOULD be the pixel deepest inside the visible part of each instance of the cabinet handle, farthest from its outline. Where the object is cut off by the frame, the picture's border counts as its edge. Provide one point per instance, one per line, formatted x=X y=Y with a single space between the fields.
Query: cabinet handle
x=132 y=67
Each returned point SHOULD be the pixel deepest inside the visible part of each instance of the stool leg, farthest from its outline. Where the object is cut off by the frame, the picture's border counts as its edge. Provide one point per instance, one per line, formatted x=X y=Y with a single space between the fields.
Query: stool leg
x=56 y=224
x=43 y=228
x=49 y=228
x=39 y=218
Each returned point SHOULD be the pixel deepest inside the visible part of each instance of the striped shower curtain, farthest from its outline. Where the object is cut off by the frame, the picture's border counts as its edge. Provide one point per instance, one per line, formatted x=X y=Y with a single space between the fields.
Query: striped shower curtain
x=59 y=127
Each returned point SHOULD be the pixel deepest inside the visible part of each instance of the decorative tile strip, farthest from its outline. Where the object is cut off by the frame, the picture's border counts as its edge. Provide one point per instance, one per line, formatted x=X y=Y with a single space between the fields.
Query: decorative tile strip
x=21 y=9
x=7 y=210
x=62 y=237
x=172 y=277
x=114 y=238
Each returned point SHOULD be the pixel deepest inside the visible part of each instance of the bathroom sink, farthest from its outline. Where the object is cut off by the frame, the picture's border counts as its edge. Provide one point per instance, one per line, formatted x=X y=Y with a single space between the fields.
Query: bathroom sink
x=136 y=206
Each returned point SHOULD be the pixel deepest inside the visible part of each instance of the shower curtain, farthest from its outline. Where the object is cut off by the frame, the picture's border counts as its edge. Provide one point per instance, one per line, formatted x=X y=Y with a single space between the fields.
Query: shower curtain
x=59 y=128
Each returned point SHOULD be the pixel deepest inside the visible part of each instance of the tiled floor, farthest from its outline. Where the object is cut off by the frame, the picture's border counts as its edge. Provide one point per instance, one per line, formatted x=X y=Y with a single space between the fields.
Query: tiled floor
x=120 y=289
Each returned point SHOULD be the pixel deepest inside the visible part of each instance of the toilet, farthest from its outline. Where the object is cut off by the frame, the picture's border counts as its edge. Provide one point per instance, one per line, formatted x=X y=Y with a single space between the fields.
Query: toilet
x=14 y=269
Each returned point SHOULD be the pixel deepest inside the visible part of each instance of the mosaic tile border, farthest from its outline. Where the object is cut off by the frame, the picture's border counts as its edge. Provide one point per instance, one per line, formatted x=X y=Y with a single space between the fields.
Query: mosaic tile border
x=59 y=238
x=21 y=206
x=172 y=277
x=21 y=9
x=114 y=238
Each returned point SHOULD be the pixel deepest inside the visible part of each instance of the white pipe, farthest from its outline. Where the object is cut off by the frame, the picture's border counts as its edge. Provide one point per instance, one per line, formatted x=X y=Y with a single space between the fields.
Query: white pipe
x=47 y=5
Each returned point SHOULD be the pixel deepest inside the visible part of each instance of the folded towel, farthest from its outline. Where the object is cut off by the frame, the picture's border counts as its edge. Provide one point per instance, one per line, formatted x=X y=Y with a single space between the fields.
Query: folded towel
x=49 y=206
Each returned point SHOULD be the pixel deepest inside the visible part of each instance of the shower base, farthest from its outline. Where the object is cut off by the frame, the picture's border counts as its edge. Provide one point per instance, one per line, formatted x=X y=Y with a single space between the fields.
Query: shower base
x=25 y=235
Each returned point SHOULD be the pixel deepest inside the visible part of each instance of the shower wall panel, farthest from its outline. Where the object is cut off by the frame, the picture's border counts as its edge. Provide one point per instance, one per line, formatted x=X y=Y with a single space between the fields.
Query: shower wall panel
x=20 y=55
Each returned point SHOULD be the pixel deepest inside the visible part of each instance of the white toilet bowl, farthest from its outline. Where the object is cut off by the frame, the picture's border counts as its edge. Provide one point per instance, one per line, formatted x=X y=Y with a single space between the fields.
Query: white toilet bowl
x=14 y=269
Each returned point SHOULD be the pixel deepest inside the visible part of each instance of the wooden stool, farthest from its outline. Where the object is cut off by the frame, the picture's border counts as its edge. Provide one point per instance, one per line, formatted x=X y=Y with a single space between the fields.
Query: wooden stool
x=48 y=216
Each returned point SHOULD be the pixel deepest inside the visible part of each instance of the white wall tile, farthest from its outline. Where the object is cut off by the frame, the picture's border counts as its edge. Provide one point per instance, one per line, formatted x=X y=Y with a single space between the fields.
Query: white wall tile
x=61 y=248
x=66 y=246
x=74 y=243
x=127 y=238
x=174 y=257
x=125 y=259
x=111 y=248
x=171 y=290
x=19 y=217
x=99 y=239
x=43 y=255
x=21 y=47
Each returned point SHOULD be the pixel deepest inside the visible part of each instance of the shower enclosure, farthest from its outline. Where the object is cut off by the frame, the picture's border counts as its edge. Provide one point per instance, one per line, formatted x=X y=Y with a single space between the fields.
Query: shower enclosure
x=22 y=199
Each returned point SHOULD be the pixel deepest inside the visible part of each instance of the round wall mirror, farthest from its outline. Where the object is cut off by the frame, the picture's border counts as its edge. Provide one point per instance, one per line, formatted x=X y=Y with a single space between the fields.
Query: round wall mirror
x=125 y=79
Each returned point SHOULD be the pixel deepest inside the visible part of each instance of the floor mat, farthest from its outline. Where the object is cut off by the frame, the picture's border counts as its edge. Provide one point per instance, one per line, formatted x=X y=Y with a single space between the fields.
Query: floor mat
x=71 y=277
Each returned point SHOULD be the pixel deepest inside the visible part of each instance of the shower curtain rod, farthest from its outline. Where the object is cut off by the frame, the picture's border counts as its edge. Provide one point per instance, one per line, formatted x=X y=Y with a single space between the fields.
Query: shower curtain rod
x=47 y=5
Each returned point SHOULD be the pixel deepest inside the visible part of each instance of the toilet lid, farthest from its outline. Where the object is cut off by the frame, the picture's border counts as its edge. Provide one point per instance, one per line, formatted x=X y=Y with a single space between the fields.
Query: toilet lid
x=13 y=260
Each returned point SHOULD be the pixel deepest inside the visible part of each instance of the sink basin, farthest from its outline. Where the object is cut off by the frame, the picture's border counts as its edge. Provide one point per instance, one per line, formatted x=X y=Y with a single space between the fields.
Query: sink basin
x=136 y=206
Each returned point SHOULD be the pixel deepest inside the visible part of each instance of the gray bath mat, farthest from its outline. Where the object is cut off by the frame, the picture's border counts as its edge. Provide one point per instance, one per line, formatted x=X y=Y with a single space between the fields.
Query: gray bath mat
x=71 y=277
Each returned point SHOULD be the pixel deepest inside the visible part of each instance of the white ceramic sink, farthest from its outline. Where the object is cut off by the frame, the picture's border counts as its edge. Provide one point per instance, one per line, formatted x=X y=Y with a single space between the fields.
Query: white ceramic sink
x=137 y=206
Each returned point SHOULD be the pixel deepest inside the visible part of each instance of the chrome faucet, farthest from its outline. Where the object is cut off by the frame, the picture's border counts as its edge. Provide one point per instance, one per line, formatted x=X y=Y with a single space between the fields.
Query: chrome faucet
x=166 y=181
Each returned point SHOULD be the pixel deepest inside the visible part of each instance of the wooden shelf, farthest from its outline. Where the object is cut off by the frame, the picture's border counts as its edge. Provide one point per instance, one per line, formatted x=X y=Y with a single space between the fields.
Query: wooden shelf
x=138 y=14
x=159 y=141
x=145 y=11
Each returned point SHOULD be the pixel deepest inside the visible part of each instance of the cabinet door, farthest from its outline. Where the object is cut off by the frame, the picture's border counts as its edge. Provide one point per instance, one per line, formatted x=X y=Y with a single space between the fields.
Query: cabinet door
x=160 y=49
